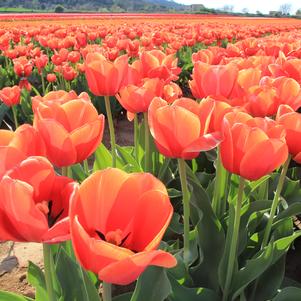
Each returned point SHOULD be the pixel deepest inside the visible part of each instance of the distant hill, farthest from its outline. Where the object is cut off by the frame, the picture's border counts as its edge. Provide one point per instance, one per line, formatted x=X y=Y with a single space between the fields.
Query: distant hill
x=96 y=5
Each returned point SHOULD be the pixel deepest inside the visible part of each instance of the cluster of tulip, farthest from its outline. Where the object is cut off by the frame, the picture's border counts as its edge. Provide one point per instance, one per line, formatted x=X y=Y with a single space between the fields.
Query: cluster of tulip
x=208 y=190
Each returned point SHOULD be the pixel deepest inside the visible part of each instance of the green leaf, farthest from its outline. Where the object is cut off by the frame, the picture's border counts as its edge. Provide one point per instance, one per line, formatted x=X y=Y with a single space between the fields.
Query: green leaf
x=181 y=293
x=3 y=110
x=270 y=281
x=36 y=278
x=211 y=238
x=152 y=285
x=103 y=159
x=127 y=158
x=292 y=210
x=6 y=296
x=254 y=267
x=74 y=281
x=123 y=297
x=78 y=172
x=289 y=294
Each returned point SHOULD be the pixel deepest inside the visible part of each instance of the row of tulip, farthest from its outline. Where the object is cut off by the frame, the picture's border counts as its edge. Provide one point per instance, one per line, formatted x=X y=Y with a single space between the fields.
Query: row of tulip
x=208 y=190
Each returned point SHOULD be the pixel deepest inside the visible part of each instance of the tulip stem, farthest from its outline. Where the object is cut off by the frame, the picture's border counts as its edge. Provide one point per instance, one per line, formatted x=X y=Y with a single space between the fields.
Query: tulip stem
x=15 y=116
x=219 y=199
x=43 y=82
x=86 y=166
x=111 y=129
x=275 y=203
x=186 y=207
x=234 y=239
x=48 y=272
x=136 y=137
x=107 y=291
x=146 y=137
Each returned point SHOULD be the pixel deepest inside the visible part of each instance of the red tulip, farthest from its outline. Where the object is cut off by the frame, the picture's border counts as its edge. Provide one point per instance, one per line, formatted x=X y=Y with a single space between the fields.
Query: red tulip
x=180 y=130
x=115 y=232
x=10 y=95
x=71 y=130
x=34 y=203
x=291 y=121
x=104 y=77
x=247 y=139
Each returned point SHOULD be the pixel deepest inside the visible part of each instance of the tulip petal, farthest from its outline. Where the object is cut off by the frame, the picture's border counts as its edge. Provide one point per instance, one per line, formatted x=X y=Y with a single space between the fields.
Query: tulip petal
x=263 y=158
x=128 y=270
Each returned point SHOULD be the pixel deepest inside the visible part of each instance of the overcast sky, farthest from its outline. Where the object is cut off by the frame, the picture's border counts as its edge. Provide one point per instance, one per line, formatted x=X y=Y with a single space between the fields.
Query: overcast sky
x=252 y=5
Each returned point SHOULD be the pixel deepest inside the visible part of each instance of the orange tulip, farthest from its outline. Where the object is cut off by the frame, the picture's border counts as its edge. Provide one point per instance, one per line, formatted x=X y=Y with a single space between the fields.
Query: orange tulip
x=180 y=130
x=213 y=80
x=156 y=64
x=291 y=121
x=104 y=77
x=71 y=130
x=34 y=203
x=136 y=99
x=17 y=146
x=59 y=97
x=115 y=232
x=10 y=95
x=171 y=92
x=246 y=139
x=264 y=100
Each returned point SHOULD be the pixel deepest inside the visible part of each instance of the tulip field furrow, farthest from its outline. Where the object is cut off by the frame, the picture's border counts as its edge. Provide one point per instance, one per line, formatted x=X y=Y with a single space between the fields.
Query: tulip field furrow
x=202 y=205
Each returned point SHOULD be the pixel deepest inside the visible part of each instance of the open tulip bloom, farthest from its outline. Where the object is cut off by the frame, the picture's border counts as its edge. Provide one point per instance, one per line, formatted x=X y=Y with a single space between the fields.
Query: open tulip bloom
x=116 y=232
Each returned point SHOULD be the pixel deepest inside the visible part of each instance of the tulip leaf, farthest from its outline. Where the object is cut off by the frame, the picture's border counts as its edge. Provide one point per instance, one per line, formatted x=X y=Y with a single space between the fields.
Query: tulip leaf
x=270 y=281
x=78 y=172
x=74 y=281
x=123 y=297
x=36 y=278
x=258 y=265
x=7 y=296
x=289 y=294
x=103 y=159
x=152 y=285
x=127 y=158
x=3 y=110
x=292 y=210
x=211 y=238
x=180 y=293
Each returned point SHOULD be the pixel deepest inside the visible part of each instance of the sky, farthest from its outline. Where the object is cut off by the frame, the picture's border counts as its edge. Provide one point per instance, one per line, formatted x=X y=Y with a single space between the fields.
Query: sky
x=252 y=5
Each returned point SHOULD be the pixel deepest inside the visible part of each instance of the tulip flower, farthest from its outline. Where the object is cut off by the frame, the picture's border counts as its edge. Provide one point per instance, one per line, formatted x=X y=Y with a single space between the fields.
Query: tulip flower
x=246 y=139
x=10 y=95
x=291 y=121
x=17 y=146
x=213 y=80
x=105 y=78
x=34 y=203
x=156 y=64
x=136 y=99
x=71 y=130
x=116 y=231
x=180 y=130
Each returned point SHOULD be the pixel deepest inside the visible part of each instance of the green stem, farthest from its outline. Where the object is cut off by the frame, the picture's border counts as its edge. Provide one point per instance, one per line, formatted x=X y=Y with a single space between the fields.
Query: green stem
x=107 y=291
x=43 y=82
x=48 y=271
x=86 y=166
x=15 y=116
x=111 y=129
x=234 y=239
x=146 y=137
x=275 y=203
x=186 y=207
x=136 y=137
x=65 y=171
x=219 y=199
x=268 y=227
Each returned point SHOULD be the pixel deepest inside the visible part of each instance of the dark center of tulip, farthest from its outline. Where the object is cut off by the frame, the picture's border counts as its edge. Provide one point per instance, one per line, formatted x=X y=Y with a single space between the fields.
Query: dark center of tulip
x=53 y=219
x=114 y=237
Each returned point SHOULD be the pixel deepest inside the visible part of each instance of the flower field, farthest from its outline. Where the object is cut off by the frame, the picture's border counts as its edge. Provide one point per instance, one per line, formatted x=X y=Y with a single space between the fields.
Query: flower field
x=203 y=206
